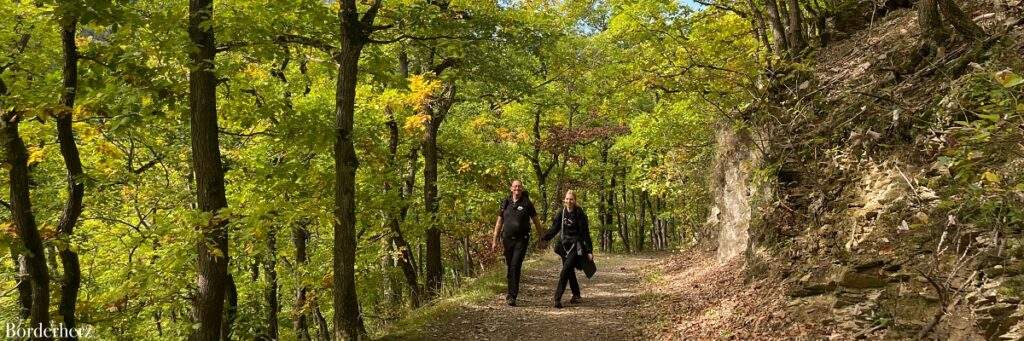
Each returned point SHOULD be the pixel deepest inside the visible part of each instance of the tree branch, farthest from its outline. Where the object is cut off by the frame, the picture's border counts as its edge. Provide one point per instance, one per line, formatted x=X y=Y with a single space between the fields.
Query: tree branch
x=716 y=4
x=402 y=37
x=444 y=65
x=371 y=13
x=308 y=41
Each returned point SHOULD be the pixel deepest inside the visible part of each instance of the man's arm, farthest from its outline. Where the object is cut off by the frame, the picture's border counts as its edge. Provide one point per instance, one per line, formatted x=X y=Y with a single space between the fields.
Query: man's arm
x=497 y=233
x=540 y=229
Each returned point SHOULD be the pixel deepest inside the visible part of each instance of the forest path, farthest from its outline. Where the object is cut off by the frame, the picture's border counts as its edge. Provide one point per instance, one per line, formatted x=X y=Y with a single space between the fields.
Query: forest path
x=615 y=304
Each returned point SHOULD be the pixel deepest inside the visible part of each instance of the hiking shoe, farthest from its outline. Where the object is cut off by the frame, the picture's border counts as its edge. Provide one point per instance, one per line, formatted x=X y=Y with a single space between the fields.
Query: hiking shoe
x=558 y=304
x=574 y=300
x=511 y=302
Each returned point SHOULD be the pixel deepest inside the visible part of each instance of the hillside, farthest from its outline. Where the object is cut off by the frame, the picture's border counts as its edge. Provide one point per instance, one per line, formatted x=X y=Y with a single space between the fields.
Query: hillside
x=871 y=198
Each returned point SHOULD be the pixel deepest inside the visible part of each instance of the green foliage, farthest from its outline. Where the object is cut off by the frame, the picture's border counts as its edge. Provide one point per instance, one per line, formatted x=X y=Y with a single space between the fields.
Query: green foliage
x=981 y=152
x=644 y=81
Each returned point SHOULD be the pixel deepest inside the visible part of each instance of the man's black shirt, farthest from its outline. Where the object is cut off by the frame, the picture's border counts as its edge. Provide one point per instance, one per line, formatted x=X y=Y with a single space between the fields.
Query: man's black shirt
x=515 y=217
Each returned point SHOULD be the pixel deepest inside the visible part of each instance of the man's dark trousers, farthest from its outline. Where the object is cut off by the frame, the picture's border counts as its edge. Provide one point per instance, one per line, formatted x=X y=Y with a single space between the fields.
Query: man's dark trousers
x=515 y=252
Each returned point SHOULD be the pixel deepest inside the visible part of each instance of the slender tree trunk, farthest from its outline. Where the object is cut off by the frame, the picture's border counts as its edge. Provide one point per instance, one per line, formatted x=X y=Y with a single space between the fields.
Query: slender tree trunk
x=323 y=330
x=389 y=264
x=796 y=37
x=759 y=26
x=404 y=259
x=820 y=25
x=621 y=213
x=611 y=212
x=270 y=274
x=300 y=237
x=467 y=260
x=73 y=163
x=778 y=29
x=641 y=221
x=158 y=320
x=24 y=219
x=407 y=260
x=654 y=221
x=209 y=173
x=437 y=111
x=540 y=171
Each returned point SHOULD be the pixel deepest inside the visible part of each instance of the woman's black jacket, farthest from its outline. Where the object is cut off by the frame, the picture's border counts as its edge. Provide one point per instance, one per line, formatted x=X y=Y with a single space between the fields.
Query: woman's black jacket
x=575 y=228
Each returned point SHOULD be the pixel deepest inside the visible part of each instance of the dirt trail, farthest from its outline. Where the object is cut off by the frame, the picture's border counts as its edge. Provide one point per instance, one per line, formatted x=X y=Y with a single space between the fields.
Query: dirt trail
x=613 y=306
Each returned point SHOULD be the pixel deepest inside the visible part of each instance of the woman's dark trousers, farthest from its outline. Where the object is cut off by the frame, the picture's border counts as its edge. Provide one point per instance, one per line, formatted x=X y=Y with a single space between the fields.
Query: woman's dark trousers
x=568 y=275
x=515 y=252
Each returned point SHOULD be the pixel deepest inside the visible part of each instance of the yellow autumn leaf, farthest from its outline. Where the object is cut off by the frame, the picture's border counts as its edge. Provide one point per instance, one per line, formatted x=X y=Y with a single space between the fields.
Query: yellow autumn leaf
x=420 y=90
x=416 y=122
x=254 y=72
x=991 y=177
x=35 y=155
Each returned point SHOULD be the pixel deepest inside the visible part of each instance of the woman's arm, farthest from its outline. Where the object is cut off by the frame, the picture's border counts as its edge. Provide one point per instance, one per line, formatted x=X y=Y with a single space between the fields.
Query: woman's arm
x=555 y=226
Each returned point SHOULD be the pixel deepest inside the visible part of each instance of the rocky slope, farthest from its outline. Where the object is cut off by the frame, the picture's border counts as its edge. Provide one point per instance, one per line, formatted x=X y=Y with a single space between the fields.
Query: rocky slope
x=870 y=198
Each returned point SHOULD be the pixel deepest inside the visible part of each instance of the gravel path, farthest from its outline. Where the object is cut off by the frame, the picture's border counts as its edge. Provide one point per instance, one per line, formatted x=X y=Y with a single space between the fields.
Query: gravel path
x=612 y=307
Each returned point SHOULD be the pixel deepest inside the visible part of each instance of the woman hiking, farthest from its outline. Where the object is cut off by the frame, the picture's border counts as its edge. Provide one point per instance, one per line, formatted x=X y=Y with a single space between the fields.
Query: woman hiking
x=574 y=245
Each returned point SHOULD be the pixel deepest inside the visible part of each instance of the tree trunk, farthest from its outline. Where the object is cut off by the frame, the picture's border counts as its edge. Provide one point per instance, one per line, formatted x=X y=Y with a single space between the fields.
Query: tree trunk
x=609 y=219
x=960 y=21
x=24 y=219
x=389 y=264
x=73 y=164
x=932 y=31
x=323 y=330
x=230 y=309
x=396 y=214
x=435 y=271
x=540 y=171
x=467 y=259
x=209 y=174
x=758 y=25
x=300 y=237
x=654 y=221
x=641 y=221
x=23 y=282
x=796 y=36
x=270 y=273
x=820 y=26
x=348 y=322
x=623 y=223
x=778 y=29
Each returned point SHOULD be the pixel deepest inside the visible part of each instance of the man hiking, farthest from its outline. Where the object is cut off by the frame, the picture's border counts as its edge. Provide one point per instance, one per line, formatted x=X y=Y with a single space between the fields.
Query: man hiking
x=513 y=230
